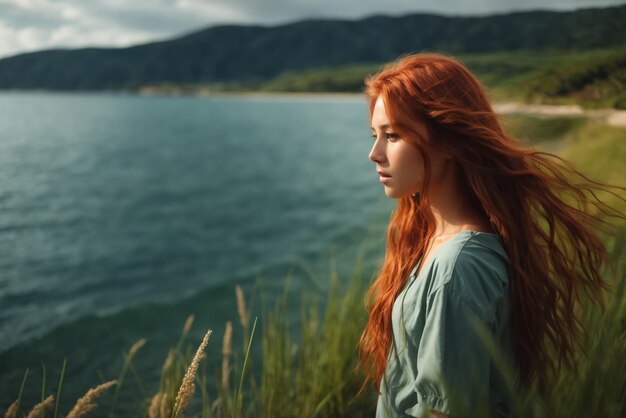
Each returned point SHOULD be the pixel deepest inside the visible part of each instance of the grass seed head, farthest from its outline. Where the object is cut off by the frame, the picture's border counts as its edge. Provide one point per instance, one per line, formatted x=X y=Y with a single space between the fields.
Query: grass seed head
x=155 y=403
x=86 y=403
x=227 y=350
x=12 y=411
x=241 y=308
x=187 y=388
x=188 y=323
x=40 y=407
x=135 y=347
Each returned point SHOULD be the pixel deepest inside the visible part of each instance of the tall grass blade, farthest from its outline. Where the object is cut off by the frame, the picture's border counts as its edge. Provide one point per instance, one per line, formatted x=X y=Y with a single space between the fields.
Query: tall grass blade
x=58 y=400
x=43 y=386
x=239 y=396
x=128 y=358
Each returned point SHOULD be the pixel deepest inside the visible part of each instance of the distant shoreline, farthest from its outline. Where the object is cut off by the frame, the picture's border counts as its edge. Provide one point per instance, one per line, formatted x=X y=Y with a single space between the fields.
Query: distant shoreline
x=186 y=93
x=252 y=93
x=613 y=117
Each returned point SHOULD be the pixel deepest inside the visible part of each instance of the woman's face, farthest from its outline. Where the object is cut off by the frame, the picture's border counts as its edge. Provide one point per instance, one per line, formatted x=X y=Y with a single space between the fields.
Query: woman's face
x=398 y=162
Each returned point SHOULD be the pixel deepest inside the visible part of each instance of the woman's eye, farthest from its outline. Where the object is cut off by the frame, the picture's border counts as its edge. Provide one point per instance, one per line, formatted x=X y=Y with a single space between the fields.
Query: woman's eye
x=389 y=135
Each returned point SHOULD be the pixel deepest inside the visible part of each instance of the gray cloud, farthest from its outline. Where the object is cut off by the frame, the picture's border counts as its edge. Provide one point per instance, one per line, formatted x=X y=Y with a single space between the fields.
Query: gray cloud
x=27 y=25
x=18 y=17
x=273 y=11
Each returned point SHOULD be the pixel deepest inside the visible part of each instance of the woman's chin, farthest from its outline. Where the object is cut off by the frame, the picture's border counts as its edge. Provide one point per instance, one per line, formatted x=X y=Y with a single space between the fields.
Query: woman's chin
x=392 y=194
x=395 y=194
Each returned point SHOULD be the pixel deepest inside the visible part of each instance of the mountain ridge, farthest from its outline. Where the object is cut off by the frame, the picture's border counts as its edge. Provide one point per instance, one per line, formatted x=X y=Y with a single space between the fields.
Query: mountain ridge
x=234 y=53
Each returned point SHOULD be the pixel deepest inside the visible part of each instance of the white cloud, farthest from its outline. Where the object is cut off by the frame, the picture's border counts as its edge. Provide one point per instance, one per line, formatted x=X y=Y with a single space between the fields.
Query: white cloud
x=12 y=40
x=75 y=36
x=72 y=13
x=30 y=25
x=31 y=4
x=33 y=39
x=211 y=10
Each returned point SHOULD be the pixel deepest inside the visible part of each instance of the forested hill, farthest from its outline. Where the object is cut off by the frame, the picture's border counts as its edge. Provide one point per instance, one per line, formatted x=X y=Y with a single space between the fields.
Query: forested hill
x=233 y=53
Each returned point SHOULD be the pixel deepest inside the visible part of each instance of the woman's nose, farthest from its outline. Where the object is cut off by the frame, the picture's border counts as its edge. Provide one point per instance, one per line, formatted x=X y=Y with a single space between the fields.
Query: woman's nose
x=376 y=154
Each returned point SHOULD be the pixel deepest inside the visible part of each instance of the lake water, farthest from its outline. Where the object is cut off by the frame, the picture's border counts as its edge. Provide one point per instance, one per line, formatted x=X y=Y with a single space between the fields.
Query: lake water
x=120 y=215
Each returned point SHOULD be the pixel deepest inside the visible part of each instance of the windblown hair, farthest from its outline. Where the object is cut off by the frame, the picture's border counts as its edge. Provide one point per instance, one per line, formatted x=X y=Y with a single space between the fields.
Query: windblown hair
x=543 y=209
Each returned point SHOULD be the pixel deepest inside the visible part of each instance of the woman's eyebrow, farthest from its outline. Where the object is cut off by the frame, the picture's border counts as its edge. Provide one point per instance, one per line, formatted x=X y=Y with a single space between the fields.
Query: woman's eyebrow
x=382 y=126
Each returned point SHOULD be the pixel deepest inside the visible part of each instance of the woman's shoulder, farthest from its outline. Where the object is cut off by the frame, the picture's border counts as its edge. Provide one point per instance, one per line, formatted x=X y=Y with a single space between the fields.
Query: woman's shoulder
x=472 y=265
x=469 y=248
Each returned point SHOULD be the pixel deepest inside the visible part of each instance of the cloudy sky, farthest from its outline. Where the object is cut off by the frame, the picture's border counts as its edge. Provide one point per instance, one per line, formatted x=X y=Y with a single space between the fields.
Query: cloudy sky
x=30 y=25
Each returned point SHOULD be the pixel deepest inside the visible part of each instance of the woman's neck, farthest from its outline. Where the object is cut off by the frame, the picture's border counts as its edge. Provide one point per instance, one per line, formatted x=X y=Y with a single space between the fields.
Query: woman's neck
x=453 y=209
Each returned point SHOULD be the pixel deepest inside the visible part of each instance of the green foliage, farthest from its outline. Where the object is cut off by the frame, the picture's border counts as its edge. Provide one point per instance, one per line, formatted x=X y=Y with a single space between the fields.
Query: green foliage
x=508 y=75
x=343 y=79
x=620 y=101
x=600 y=82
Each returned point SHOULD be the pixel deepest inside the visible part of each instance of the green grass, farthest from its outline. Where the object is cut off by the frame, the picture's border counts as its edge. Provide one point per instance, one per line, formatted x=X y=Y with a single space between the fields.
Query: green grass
x=311 y=374
x=542 y=131
x=599 y=150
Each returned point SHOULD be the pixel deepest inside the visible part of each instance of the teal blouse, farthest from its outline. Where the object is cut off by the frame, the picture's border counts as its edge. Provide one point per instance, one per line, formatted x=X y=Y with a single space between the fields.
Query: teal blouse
x=437 y=360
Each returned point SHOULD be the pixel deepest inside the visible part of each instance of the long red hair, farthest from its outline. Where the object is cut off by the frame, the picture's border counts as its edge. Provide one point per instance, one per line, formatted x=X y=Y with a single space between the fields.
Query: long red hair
x=546 y=220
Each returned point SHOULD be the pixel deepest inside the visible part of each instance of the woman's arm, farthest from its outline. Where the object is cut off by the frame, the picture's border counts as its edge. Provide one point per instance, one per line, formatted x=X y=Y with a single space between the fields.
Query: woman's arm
x=453 y=362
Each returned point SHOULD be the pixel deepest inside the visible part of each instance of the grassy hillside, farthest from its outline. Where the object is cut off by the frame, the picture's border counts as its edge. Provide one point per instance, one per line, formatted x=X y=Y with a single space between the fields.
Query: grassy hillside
x=598 y=83
x=520 y=75
x=595 y=78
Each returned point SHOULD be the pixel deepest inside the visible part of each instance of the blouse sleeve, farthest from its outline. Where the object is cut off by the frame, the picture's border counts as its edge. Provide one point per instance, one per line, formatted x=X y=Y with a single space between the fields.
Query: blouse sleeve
x=453 y=363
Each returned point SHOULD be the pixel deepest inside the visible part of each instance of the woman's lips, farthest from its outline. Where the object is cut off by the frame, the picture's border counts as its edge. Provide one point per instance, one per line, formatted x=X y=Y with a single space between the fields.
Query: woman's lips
x=384 y=178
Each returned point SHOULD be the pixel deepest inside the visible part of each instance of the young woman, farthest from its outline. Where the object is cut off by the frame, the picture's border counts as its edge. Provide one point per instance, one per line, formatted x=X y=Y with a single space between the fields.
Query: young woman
x=482 y=247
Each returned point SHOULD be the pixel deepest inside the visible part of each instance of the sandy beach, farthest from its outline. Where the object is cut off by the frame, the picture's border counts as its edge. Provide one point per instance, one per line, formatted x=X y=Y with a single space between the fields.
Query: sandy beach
x=613 y=117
